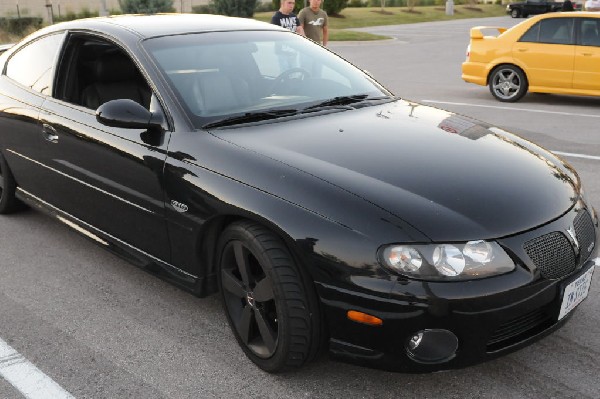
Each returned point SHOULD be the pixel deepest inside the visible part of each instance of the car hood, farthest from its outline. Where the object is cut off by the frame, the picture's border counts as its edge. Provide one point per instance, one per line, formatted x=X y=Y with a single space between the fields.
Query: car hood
x=448 y=176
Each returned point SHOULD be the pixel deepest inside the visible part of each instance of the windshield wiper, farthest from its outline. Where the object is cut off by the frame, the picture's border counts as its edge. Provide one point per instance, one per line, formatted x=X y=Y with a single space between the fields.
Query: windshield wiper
x=249 y=117
x=344 y=100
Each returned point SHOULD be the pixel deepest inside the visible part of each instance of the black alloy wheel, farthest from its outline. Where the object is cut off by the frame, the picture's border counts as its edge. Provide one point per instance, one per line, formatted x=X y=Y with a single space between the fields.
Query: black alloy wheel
x=8 y=202
x=267 y=302
x=508 y=83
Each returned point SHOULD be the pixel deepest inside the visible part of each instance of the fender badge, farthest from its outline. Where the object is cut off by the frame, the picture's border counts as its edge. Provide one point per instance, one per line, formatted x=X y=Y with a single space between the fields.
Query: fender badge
x=179 y=207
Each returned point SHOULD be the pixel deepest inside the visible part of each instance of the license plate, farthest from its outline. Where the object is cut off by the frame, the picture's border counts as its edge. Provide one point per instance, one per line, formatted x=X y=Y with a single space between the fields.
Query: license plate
x=576 y=292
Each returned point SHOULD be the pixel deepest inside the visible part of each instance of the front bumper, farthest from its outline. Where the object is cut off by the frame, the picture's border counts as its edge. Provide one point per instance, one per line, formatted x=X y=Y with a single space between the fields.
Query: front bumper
x=489 y=317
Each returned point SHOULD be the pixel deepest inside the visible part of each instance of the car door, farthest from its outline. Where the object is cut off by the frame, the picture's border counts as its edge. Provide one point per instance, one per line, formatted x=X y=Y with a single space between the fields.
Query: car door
x=109 y=178
x=586 y=74
x=24 y=84
x=546 y=53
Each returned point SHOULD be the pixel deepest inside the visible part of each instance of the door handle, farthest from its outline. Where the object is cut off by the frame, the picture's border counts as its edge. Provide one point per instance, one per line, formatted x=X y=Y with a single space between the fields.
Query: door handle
x=586 y=54
x=49 y=133
x=521 y=50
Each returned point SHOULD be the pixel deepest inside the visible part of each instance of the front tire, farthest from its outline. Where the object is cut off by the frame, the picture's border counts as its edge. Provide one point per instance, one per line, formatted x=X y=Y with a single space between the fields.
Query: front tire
x=270 y=308
x=8 y=202
x=508 y=83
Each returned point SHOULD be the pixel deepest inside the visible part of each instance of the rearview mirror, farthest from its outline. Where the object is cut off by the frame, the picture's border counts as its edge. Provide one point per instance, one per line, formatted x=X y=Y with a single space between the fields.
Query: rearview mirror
x=127 y=114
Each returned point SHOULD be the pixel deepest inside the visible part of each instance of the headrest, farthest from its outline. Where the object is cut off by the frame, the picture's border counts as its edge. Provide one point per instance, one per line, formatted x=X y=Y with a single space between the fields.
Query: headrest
x=114 y=68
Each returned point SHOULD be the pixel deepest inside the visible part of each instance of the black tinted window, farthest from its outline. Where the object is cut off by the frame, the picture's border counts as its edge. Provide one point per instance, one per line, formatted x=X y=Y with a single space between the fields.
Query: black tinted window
x=556 y=31
x=551 y=31
x=32 y=66
x=589 y=32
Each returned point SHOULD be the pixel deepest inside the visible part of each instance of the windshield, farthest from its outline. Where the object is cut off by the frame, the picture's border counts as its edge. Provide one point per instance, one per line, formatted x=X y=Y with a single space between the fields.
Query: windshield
x=238 y=76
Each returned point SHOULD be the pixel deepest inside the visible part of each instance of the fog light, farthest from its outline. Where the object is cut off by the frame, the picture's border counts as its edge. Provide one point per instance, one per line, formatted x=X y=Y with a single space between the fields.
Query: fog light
x=432 y=346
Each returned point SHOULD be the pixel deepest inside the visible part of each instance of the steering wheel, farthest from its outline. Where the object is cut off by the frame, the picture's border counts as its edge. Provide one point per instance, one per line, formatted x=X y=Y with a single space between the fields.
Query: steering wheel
x=292 y=76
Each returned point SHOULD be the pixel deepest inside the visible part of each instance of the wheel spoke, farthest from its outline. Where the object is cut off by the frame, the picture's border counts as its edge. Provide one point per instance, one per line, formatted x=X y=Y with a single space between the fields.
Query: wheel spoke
x=1 y=181
x=263 y=291
x=267 y=334
x=243 y=326
x=232 y=284
x=241 y=258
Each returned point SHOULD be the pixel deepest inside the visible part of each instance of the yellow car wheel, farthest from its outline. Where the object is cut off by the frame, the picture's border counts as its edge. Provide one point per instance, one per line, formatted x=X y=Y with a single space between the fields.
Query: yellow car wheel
x=508 y=83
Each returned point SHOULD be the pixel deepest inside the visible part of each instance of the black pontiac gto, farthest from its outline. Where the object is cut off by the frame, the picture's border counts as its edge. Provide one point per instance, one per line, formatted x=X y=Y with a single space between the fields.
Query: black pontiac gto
x=232 y=156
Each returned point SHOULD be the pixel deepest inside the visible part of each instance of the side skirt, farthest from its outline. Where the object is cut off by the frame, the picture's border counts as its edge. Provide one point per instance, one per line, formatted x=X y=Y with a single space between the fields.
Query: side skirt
x=139 y=258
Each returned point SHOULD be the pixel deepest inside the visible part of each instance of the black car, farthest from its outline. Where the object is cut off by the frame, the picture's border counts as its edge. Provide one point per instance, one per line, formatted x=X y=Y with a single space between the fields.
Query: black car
x=233 y=156
x=526 y=8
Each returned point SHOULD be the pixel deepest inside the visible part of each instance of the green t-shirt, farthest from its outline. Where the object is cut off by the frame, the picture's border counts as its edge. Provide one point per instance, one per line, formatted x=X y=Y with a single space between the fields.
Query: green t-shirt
x=313 y=23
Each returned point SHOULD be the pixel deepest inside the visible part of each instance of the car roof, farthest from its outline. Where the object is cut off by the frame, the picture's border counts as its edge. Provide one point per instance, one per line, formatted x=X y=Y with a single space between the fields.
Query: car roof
x=146 y=26
x=570 y=14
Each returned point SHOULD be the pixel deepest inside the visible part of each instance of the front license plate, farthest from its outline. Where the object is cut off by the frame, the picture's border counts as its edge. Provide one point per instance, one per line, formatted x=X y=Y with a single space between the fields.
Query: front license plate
x=576 y=292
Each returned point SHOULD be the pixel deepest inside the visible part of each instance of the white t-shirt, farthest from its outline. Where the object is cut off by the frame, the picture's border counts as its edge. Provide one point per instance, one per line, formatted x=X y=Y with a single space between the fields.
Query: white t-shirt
x=592 y=5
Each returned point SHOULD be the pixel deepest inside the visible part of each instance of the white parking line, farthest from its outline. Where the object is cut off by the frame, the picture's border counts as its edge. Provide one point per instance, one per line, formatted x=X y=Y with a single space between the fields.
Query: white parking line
x=26 y=377
x=570 y=154
x=511 y=108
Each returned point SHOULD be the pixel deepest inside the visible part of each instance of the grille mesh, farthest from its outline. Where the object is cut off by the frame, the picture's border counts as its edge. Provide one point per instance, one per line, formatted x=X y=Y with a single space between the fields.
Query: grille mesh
x=586 y=234
x=552 y=254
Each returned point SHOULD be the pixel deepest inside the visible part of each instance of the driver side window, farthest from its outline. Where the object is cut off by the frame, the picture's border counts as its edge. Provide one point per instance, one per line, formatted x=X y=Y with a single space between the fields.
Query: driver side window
x=96 y=71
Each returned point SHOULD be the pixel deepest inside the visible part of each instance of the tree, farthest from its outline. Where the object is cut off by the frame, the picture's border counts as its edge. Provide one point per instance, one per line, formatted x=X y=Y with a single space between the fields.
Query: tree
x=146 y=6
x=235 y=8
x=334 y=7
x=411 y=4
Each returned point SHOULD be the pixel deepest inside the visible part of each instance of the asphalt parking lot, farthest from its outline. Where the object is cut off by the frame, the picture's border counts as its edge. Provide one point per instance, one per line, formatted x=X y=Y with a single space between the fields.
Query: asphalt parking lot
x=100 y=328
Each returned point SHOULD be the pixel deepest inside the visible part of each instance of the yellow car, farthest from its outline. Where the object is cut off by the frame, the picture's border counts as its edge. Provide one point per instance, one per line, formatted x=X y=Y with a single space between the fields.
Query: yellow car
x=549 y=53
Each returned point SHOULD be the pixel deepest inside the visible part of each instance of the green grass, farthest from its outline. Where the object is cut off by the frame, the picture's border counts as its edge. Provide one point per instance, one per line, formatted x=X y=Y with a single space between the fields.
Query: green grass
x=343 y=35
x=372 y=16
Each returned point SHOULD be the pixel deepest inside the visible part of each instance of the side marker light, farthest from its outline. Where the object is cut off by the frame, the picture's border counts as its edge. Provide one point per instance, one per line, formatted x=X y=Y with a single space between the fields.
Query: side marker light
x=364 y=318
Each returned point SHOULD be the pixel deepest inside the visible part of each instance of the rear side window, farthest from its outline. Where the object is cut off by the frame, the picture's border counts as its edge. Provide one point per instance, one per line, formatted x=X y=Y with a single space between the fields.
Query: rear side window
x=33 y=65
x=551 y=31
x=532 y=34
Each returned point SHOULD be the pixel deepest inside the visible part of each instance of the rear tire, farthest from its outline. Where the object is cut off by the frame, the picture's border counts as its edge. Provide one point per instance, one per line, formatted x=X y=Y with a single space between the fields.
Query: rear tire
x=272 y=311
x=8 y=202
x=515 y=13
x=508 y=83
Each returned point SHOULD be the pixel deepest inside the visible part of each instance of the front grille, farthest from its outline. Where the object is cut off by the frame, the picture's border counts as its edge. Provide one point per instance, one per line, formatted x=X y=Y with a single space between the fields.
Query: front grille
x=586 y=234
x=552 y=254
x=519 y=329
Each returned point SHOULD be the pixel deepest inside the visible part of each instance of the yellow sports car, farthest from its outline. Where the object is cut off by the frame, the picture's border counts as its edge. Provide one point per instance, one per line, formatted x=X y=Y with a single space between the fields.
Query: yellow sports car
x=549 y=53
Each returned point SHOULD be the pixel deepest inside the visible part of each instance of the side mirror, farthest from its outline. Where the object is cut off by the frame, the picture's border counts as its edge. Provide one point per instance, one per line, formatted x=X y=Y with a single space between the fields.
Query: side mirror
x=127 y=114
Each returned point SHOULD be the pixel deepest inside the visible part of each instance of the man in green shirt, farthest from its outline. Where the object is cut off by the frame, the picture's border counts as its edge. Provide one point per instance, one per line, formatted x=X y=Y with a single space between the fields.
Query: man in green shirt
x=314 y=22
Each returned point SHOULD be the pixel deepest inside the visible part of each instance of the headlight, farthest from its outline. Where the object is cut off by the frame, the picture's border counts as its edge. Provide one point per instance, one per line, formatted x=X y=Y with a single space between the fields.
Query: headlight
x=466 y=261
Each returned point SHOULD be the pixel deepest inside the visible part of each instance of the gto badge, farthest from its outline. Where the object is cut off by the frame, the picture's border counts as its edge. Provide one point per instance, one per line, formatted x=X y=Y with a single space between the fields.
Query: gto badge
x=179 y=207
x=571 y=231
